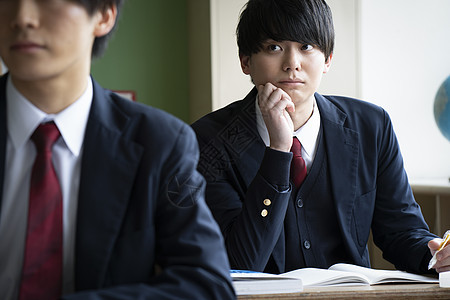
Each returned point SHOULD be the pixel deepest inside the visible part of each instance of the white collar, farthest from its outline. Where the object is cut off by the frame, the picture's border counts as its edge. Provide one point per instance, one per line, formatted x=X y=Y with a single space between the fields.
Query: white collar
x=23 y=118
x=309 y=132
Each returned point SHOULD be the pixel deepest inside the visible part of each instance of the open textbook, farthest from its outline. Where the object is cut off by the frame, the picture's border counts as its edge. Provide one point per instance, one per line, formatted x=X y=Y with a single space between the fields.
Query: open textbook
x=347 y=274
x=341 y=274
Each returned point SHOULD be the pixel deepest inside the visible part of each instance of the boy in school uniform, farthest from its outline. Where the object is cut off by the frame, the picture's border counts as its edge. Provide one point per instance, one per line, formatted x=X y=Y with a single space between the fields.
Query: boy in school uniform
x=99 y=196
x=298 y=179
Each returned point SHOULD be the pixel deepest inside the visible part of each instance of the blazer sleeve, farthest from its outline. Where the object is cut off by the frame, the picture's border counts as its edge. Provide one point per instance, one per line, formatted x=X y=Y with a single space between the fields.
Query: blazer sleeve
x=247 y=196
x=190 y=257
x=399 y=228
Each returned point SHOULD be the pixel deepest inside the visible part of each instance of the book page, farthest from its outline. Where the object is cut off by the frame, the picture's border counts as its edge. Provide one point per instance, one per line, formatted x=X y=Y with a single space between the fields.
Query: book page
x=324 y=277
x=376 y=276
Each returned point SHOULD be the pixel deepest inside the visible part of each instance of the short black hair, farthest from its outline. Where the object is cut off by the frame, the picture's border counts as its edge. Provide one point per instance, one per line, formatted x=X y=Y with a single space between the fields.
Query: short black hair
x=303 y=21
x=92 y=6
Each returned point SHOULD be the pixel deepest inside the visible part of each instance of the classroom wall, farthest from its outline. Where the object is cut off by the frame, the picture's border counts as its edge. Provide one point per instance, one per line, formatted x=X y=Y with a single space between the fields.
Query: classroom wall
x=149 y=55
x=199 y=44
x=405 y=48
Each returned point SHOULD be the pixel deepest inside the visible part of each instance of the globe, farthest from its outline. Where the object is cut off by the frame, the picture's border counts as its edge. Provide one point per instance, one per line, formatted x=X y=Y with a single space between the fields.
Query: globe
x=442 y=108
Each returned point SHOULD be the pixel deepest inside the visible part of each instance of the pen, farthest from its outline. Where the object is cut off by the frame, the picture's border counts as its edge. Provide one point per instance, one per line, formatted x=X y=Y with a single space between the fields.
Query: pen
x=445 y=242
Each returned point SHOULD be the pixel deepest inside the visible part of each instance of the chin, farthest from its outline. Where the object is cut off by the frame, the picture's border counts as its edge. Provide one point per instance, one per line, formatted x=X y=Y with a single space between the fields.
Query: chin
x=300 y=98
x=29 y=68
x=29 y=74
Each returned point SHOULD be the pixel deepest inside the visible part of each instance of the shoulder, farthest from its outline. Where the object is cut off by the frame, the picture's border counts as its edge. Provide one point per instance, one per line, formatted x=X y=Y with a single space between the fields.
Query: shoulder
x=241 y=111
x=369 y=121
x=137 y=116
x=355 y=112
x=158 y=133
x=148 y=113
x=221 y=116
x=353 y=105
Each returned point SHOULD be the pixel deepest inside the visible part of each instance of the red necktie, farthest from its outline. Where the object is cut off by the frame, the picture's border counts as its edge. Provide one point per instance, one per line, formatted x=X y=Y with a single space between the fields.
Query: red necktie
x=42 y=268
x=298 y=166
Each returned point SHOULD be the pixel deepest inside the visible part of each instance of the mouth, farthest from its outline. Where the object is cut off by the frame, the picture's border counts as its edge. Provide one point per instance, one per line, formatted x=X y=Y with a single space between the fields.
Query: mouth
x=292 y=82
x=26 y=46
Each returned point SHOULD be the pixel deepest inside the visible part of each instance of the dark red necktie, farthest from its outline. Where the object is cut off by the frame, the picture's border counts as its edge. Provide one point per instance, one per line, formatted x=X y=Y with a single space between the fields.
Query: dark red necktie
x=42 y=268
x=298 y=166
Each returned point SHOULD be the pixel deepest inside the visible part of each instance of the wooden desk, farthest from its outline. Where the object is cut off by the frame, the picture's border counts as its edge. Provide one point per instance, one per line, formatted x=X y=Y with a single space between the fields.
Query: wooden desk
x=385 y=291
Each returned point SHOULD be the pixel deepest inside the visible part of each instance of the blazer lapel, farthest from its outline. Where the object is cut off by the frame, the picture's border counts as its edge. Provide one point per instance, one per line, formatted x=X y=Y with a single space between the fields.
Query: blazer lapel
x=342 y=151
x=109 y=163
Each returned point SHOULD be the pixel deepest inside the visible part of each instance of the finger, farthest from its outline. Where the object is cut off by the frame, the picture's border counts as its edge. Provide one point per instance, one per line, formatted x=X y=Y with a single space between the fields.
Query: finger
x=277 y=96
x=267 y=104
x=444 y=254
x=290 y=107
x=291 y=125
x=283 y=104
x=284 y=94
x=434 y=244
x=264 y=92
x=443 y=269
x=266 y=87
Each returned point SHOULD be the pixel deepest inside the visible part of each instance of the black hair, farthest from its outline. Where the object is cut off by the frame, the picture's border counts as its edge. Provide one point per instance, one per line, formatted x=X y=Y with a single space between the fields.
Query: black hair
x=92 y=6
x=303 y=21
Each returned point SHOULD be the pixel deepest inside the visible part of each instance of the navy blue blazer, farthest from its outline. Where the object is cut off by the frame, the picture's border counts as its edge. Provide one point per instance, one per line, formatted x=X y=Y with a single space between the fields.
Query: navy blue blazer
x=369 y=185
x=143 y=228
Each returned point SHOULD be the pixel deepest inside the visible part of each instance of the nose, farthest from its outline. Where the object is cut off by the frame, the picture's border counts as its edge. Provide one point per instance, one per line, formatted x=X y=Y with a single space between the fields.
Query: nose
x=25 y=14
x=292 y=60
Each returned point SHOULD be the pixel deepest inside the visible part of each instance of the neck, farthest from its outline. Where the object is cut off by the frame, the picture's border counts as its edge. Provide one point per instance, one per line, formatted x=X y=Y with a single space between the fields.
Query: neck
x=303 y=111
x=52 y=95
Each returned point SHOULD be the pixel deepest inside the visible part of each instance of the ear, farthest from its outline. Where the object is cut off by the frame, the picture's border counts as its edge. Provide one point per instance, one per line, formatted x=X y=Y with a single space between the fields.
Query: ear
x=245 y=64
x=105 y=21
x=327 y=65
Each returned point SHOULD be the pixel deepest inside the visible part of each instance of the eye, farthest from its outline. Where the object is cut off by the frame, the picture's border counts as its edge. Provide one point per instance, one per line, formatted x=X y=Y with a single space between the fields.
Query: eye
x=307 y=47
x=273 y=47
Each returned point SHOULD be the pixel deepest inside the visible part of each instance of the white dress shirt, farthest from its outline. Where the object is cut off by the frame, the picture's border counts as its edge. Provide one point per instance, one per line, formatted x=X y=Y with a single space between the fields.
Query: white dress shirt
x=22 y=119
x=307 y=134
